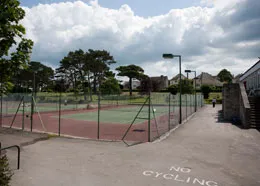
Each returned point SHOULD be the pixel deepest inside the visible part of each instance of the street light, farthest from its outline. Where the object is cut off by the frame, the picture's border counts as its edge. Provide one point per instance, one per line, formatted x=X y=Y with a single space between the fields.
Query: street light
x=171 y=56
x=189 y=71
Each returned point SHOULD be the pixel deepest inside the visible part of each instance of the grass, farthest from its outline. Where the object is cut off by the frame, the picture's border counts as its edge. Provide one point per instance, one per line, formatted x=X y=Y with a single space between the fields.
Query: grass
x=50 y=101
x=216 y=95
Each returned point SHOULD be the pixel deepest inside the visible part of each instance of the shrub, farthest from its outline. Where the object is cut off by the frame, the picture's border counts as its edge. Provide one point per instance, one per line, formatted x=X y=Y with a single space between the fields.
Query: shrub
x=5 y=171
x=205 y=89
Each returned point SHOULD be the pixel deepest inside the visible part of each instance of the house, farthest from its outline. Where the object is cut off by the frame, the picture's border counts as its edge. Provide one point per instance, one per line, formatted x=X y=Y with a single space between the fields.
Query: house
x=207 y=79
x=135 y=84
x=175 y=80
x=160 y=81
x=251 y=79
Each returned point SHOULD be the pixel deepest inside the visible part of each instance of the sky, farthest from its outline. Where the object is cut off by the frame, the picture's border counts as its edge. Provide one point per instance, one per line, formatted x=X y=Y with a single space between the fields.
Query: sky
x=209 y=34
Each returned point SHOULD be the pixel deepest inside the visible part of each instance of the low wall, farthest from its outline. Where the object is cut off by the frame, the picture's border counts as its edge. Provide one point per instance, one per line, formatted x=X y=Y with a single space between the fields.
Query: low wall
x=230 y=102
x=235 y=103
x=244 y=109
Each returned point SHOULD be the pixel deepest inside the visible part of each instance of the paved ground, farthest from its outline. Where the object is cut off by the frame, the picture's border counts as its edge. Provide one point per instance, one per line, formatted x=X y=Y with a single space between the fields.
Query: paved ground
x=203 y=151
x=10 y=137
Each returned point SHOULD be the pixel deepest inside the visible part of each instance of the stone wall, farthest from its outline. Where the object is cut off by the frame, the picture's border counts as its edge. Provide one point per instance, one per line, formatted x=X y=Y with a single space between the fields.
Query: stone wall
x=231 y=102
x=244 y=107
x=235 y=103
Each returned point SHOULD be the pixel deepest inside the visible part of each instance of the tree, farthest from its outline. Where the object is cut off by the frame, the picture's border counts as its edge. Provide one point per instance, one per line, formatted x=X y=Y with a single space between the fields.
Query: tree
x=110 y=86
x=205 y=89
x=145 y=85
x=43 y=76
x=99 y=61
x=173 y=89
x=131 y=71
x=11 y=31
x=186 y=88
x=225 y=76
x=79 y=67
x=73 y=69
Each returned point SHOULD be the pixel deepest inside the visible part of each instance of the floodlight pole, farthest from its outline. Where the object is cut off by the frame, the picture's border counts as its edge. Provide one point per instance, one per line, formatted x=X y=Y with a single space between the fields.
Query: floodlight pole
x=188 y=71
x=195 y=92
x=171 y=56
x=180 y=120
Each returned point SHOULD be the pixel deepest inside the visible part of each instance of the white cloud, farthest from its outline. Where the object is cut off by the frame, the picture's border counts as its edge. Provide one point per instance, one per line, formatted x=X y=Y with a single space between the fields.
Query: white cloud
x=208 y=39
x=220 y=4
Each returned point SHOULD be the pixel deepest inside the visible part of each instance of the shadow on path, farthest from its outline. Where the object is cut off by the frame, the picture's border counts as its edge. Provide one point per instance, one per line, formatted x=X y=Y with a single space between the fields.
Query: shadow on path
x=220 y=119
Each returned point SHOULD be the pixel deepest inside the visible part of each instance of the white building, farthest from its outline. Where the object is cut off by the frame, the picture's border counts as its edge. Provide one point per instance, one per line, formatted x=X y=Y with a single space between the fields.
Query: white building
x=251 y=79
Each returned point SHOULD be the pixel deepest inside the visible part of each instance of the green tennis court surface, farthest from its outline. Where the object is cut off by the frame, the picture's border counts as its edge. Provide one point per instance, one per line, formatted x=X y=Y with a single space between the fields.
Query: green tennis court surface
x=119 y=115
x=42 y=108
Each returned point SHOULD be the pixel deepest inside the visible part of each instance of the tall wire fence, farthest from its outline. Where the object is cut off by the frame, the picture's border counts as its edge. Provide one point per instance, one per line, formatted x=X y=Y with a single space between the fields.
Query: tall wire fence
x=133 y=119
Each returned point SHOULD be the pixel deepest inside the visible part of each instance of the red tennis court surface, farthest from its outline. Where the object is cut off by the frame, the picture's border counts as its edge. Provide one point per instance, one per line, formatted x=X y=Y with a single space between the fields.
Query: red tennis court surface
x=89 y=129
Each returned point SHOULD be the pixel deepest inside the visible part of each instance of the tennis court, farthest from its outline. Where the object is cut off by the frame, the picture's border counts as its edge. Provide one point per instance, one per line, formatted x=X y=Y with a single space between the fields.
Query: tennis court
x=120 y=115
x=109 y=118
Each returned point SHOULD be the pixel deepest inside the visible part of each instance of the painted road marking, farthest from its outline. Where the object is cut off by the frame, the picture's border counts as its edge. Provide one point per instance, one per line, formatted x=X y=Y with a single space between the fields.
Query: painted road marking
x=179 y=176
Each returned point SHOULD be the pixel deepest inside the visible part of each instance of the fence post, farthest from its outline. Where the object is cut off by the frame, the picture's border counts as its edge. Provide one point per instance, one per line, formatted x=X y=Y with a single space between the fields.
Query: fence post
x=32 y=111
x=59 y=111
x=186 y=100
x=169 y=120
x=23 y=115
x=190 y=104
x=1 y=111
x=98 y=115
x=149 y=118
x=117 y=99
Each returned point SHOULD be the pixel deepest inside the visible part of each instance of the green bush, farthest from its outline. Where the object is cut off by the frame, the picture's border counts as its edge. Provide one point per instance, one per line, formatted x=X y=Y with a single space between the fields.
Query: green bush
x=205 y=89
x=5 y=172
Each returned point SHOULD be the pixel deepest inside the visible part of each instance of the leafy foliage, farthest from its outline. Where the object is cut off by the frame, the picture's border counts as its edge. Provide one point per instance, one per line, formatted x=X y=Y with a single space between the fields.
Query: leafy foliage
x=186 y=88
x=145 y=85
x=205 y=89
x=110 y=86
x=131 y=71
x=5 y=172
x=10 y=32
x=225 y=76
x=82 y=69
x=173 y=89
x=43 y=76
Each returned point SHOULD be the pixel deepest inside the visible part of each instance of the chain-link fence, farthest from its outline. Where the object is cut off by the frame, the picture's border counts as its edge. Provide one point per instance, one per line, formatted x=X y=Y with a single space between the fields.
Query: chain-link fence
x=137 y=118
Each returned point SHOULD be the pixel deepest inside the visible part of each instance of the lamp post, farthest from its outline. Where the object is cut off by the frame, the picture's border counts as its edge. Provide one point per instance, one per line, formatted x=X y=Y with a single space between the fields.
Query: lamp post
x=189 y=71
x=171 y=56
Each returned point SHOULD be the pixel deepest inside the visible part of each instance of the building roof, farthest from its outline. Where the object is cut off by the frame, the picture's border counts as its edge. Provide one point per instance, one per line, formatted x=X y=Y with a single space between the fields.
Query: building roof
x=177 y=77
x=250 y=70
x=208 y=79
x=159 y=78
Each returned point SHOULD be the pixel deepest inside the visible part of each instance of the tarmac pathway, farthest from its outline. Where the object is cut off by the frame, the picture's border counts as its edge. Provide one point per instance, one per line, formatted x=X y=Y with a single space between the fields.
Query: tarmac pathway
x=203 y=151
